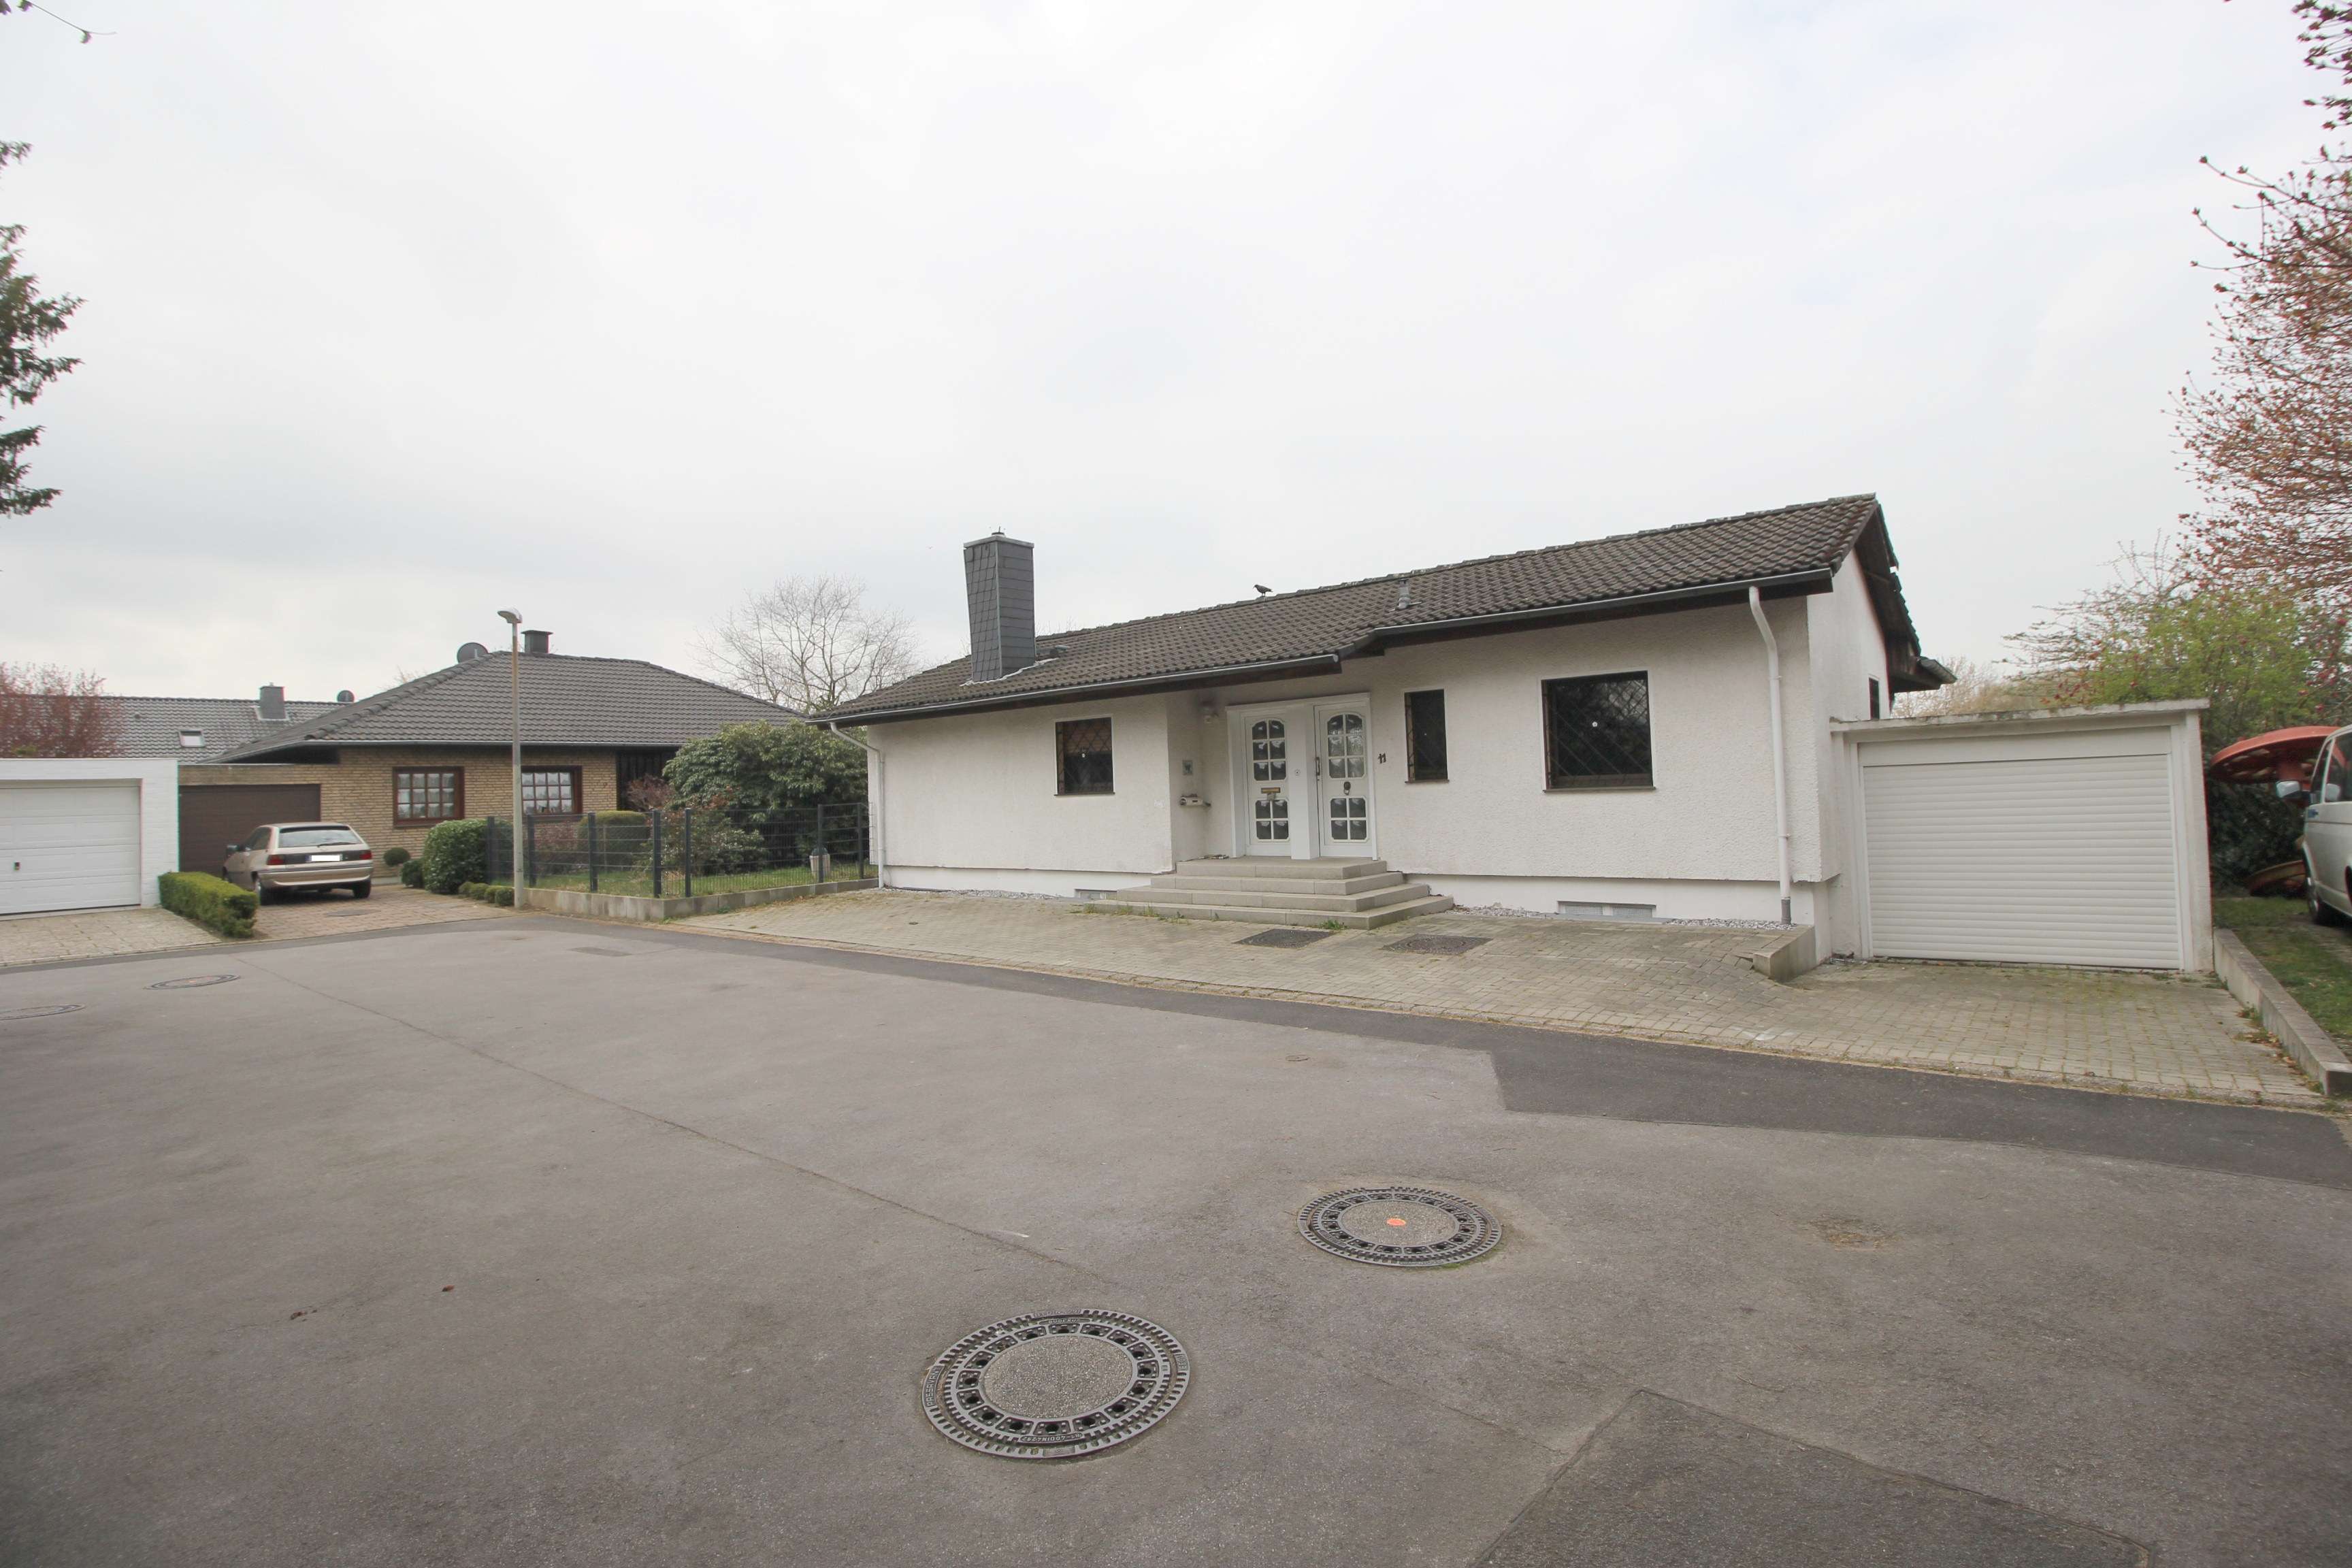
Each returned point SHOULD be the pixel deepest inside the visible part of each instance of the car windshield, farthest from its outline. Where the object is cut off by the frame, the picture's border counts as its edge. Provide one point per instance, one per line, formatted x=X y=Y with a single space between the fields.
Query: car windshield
x=315 y=837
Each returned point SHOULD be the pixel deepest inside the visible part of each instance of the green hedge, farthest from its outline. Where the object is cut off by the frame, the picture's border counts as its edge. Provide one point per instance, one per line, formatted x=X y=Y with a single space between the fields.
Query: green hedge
x=457 y=853
x=206 y=900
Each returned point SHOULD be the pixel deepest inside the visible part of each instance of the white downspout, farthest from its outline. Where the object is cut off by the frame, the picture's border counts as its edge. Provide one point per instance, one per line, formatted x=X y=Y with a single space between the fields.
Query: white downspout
x=1780 y=745
x=874 y=806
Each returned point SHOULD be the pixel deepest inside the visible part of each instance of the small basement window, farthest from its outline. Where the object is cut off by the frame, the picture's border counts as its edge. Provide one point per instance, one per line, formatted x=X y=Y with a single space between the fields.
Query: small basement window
x=1597 y=732
x=1082 y=755
x=1424 y=737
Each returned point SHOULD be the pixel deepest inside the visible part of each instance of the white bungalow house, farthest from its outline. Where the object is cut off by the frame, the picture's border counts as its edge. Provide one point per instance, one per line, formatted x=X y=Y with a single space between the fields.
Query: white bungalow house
x=1659 y=724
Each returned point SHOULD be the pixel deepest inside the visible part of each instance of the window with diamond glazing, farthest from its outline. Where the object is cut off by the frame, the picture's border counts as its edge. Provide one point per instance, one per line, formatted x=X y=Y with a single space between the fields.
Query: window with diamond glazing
x=1597 y=732
x=1083 y=747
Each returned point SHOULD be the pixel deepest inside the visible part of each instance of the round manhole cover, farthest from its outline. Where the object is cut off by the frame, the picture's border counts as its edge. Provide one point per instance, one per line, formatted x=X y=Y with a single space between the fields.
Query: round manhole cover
x=1402 y=1227
x=1055 y=1385
x=15 y=1014
x=191 y=981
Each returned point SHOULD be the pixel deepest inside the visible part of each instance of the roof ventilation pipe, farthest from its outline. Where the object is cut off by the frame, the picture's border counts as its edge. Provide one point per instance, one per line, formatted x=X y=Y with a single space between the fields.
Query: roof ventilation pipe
x=535 y=642
x=1780 y=745
x=1000 y=587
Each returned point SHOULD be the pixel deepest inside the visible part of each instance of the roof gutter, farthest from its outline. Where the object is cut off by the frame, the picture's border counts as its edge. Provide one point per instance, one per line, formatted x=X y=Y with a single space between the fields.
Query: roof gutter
x=1060 y=693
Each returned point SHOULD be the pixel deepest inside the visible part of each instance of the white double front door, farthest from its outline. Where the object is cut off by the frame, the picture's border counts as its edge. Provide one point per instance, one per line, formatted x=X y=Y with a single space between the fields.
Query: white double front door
x=1303 y=778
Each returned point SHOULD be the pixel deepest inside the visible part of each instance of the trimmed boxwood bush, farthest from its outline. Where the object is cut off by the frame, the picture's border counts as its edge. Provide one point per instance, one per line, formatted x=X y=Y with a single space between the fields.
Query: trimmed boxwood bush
x=396 y=857
x=209 y=901
x=457 y=853
x=412 y=873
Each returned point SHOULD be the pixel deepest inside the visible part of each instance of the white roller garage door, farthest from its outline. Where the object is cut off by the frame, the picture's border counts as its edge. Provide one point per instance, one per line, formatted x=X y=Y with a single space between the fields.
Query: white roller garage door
x=2031 y=849
x=69 y=846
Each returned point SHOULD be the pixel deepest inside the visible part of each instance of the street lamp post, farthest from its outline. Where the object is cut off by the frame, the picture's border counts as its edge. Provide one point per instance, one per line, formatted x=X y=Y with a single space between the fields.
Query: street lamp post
x=514 y=694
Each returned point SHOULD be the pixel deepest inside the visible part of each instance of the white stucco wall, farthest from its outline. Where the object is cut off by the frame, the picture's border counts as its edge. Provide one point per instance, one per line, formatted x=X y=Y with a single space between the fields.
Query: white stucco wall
x=969 y=801
x=1848 y=652
x=158 y=779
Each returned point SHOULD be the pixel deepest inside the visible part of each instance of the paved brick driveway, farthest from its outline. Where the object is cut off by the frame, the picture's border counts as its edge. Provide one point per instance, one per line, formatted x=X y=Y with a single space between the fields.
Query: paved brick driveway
x=108 y=933
x=2156 y=1034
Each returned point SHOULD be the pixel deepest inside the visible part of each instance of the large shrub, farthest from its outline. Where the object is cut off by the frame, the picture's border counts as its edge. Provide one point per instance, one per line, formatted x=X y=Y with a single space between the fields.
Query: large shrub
x=209 y=901
x=457 y=853
x=756 y=771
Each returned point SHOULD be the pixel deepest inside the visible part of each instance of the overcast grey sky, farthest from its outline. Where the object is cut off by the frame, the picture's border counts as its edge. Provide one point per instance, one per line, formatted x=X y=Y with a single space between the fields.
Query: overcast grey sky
x=398 y=314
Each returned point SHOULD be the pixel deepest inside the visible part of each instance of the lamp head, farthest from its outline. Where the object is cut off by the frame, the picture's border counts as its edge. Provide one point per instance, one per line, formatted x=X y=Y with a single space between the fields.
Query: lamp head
x=510 y=617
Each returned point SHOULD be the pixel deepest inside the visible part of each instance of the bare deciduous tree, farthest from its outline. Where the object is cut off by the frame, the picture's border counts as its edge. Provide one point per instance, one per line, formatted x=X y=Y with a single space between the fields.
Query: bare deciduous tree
x=2269 y=438
x=46 y=711
x=810 y=643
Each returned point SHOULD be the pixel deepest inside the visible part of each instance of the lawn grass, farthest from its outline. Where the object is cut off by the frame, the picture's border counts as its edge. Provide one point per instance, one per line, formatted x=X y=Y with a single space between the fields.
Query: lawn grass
x=2314 y=962
x=640 y=884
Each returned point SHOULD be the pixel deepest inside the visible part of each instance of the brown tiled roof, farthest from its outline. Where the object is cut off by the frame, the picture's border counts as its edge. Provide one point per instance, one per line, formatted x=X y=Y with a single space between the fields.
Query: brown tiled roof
x=567 y=701
x=1793 y=545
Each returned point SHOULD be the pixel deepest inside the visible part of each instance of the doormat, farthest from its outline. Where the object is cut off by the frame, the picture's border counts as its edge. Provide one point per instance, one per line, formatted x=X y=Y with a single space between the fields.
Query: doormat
x=1283 y=936
x=1436 y=945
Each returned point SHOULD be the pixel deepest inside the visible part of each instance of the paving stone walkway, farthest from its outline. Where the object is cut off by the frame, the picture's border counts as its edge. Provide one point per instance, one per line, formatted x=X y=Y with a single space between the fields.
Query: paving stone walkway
x=108 y=933
x=2150 y=1033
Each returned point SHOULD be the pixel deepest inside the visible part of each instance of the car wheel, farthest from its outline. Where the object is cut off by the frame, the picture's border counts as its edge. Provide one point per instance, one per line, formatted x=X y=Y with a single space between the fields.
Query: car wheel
x=362 y=889
x=2322 y=912
x=262 y=892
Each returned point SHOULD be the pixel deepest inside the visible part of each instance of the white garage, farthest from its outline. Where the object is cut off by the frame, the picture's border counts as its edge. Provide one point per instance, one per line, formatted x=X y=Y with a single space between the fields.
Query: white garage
x=2073 y=837
x=85 y=833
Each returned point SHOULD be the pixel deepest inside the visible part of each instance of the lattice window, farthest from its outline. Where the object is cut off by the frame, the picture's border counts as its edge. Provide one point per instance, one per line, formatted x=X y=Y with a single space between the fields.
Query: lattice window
x=1597 y=732
x=1083 y=747
x=427 y=794
x=550 y=792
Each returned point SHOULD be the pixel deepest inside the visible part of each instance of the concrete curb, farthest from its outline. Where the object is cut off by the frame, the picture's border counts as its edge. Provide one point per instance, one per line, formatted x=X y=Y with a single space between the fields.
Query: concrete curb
x=2313 y=1048
x=652 y=912
x=1786 y=957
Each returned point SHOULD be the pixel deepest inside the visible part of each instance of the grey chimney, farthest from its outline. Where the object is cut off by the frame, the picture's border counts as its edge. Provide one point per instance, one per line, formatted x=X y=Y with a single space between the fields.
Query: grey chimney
x=273 y=704
x=534 y=642
x=1000 y=585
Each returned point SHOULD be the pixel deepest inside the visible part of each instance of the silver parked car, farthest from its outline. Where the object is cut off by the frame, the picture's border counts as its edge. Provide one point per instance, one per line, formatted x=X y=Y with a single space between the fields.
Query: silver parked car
x=285 y=854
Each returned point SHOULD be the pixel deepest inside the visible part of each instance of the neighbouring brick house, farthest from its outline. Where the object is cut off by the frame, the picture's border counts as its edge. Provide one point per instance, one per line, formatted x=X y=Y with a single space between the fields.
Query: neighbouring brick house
x=429 y=749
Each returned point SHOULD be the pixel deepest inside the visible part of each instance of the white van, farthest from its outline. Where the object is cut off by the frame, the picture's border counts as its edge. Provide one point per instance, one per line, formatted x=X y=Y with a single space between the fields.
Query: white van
x=2327 y=830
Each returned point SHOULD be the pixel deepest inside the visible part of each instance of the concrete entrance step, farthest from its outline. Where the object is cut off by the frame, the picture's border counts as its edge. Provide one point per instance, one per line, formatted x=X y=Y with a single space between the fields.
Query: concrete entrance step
x=1367 y=920
x=1336 y=868
x=1336 y=887
x=1272 y=894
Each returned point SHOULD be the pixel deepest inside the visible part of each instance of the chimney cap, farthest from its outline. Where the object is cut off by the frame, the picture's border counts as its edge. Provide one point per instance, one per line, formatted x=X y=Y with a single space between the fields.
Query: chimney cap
x=535 y=642
x=998 y=537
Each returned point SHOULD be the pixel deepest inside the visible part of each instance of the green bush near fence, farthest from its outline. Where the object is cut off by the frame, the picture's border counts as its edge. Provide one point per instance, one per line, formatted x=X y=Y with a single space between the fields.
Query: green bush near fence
x=457 y=853
x=209 y=901
x=412 y=873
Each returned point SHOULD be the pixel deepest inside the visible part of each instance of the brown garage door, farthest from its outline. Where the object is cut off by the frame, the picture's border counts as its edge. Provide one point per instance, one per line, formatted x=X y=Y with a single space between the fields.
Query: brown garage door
x=212 y=817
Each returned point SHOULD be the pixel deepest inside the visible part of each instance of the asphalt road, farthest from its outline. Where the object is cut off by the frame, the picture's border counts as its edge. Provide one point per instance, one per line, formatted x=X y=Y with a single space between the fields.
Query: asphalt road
x=540 y=1242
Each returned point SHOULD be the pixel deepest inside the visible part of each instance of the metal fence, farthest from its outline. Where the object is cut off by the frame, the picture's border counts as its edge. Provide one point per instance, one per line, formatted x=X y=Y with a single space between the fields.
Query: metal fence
x=678 y=852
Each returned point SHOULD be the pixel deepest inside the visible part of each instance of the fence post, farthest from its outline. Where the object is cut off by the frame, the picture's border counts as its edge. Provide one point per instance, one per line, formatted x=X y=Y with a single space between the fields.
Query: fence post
x=531 y=849
x=686 y=846
x=591 y=851
x=658 y=856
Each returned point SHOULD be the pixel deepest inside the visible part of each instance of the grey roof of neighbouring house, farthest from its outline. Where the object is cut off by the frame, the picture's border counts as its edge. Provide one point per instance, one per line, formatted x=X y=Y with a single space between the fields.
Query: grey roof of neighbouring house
x=1793 y=548
x=567 y=701
x=151 y=725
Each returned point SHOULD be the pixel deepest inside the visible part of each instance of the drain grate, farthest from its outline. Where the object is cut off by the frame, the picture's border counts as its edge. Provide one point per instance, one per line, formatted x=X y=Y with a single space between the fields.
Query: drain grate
x=191 y=981
x=1283 y=936
x=1056 y=1385
x=15 y=1014
x=1437 y=944
x=1401 y=1228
